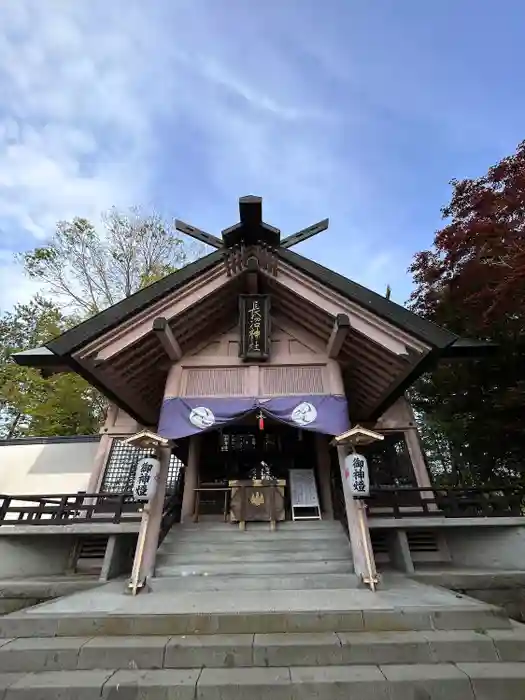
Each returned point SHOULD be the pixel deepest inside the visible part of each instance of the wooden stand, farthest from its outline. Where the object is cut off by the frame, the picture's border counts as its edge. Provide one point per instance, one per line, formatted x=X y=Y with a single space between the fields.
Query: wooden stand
x=257 y=500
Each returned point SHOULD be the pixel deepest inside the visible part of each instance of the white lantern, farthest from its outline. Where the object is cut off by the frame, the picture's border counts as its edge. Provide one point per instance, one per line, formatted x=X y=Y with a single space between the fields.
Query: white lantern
x=357 y=476
x=146 y=479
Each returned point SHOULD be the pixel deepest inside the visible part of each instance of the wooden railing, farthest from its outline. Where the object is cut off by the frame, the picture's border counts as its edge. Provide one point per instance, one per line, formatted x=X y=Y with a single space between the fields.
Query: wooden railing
x=58 y=509
x=466 y=502
x=338 y=502
x=170 y=514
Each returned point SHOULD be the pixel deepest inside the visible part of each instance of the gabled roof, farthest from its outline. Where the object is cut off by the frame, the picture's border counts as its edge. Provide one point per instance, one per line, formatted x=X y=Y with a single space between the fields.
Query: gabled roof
x=104 y=321
x=381 y=306
x=64 y=350
x=386 y=309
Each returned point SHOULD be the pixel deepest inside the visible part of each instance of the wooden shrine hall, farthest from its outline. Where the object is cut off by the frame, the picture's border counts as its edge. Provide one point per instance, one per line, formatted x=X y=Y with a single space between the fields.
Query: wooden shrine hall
x=239 y=370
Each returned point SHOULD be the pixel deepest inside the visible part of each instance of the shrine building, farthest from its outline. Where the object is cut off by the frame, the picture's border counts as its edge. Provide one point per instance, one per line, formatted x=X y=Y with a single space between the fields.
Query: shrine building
x=237 y=373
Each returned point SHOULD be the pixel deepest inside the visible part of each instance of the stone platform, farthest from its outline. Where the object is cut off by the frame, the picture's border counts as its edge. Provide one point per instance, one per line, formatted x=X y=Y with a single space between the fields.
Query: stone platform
x=259 y=615
x=504 y=588
x=408 y=641
x=401 y=604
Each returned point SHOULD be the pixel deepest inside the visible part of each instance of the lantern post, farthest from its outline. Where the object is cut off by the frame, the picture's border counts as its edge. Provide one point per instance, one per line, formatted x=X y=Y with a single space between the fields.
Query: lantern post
x=356 y=485
x=149 y=486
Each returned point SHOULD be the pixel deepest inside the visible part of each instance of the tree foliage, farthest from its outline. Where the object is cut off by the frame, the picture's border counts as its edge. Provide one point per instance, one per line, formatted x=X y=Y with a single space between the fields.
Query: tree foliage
x=90 y=269
x=83 y=269
x=473 y=282
x=63 y=404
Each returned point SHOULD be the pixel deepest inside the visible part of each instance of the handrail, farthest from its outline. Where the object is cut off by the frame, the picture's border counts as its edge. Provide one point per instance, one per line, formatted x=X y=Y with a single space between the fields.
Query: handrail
x=59 y=509
x=170 y=514
x=449 y=502
x=459 y=489
x=78 y=495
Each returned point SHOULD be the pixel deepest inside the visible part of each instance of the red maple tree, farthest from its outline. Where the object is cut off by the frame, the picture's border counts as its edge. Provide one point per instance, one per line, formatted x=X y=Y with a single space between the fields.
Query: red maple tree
x=474 y=278
x=473 y=282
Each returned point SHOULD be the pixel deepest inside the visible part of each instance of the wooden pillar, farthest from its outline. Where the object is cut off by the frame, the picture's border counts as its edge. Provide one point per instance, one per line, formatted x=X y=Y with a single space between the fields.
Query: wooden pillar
x=191 y=479
x=156 y=507
x=415 y=448
x=417 y=458
x=99 y=463
x=323 y=472
x=354 y=527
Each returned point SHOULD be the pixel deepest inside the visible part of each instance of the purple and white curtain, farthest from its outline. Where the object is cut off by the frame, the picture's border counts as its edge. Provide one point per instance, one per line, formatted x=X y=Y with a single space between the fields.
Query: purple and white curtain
x=180 y=417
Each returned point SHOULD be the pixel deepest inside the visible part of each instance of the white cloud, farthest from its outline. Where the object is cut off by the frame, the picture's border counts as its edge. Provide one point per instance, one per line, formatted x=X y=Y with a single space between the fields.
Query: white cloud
x=15 y=287
x=95 y=99
x=74 y=122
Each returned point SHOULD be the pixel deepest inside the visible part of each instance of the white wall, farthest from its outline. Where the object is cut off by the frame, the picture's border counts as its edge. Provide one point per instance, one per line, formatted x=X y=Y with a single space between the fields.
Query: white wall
x=487 y=547
x=34 y=556
x=49 y=468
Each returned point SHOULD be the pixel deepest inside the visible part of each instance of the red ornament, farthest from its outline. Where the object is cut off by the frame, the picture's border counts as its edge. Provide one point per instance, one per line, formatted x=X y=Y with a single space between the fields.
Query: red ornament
x=260 y=416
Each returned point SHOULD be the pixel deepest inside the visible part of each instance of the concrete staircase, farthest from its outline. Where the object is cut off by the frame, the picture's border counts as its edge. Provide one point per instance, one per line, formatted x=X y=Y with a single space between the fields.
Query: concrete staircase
x=104 y=660
x=217 y=638
x=218 y=556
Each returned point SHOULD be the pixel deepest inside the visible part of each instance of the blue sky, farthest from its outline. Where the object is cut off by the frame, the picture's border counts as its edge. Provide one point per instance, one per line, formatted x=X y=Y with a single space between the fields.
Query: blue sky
x=360 y=110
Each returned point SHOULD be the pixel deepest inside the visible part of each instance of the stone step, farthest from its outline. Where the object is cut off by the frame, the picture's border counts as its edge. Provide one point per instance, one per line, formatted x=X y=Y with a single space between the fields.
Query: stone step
x=246 y=547
x=256 y=528
x=233 y=534
x=469 y=681
x=244 y=612
x=233 y=556
x=259 y=650
x=290 y=582
x=259 y=528
x=249 y=568
x=266 y=543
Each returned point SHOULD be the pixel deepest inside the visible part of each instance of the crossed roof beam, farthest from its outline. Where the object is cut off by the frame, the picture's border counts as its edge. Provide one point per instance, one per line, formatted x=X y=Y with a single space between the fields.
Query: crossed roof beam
x=251 y=229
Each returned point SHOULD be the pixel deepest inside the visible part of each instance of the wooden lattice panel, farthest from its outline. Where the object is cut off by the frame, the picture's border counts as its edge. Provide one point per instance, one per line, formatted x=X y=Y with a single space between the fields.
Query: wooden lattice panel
x=216 y=381
x=283 y=381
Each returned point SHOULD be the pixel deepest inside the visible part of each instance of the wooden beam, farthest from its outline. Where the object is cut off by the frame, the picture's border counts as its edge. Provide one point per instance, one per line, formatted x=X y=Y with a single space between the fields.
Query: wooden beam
x=199 y=235
x=403 y=380
x=250 y=210
x=305 y=233
x=338 y=336
x=168 y=341
x=252 y=274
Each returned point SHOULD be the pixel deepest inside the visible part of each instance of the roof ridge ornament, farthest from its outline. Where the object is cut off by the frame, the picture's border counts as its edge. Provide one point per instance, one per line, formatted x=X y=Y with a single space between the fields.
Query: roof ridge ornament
x=251 y=229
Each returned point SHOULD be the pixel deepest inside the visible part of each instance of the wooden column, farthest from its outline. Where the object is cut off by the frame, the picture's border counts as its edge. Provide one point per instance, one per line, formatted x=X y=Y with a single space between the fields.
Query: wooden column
x=104 y=447
x=323 y=472
x=191 y=479
x=99 y=463
x=354 y=529
x=156 y=507
x=417 y=458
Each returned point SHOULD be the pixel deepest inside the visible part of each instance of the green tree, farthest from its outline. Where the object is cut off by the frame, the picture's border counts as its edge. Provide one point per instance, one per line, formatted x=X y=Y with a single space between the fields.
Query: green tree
x=83 y=269
x=90 y=269
x=31 y=405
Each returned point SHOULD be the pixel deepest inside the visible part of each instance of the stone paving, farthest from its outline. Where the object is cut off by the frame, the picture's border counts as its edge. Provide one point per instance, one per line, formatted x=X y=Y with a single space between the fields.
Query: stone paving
x=396 y=592
x=260 y=650
x=467 y=681
x=408 y=641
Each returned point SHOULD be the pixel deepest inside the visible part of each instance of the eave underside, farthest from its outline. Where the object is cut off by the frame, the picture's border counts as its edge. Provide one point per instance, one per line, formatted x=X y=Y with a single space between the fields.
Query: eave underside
x=138 y=373
x=142 y=368
x=120 y=353
x=368 y=369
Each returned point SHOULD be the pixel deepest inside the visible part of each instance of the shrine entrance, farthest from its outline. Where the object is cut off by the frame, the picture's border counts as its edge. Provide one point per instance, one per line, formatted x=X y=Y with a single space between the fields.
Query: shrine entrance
x=244 y=452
